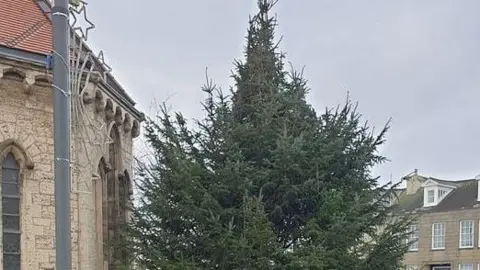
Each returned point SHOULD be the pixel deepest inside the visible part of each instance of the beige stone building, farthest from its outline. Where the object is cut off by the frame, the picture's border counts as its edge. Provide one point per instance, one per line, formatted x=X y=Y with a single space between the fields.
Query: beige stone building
x=104 y=124
x=447 y=232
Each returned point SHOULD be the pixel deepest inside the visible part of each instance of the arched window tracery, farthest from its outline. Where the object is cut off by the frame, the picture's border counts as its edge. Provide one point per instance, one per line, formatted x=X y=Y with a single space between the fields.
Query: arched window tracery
x=114 y=207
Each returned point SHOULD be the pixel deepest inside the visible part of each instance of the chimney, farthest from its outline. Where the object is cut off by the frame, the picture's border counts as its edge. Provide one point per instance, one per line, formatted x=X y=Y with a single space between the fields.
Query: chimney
x=478 y=184
x=414 y=182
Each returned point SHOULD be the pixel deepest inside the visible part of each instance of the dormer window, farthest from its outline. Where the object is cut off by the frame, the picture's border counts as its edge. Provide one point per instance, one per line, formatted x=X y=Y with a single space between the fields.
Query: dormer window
x=435 y=191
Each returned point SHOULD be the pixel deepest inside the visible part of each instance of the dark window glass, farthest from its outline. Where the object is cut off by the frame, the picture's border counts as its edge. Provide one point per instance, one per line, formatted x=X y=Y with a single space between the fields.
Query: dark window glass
x=11 y=242
x=11 y=213
x=11 y=223
x=9 y=162
x=10 y=205
x=10 y=189
x=10 y=176
x=11 y=261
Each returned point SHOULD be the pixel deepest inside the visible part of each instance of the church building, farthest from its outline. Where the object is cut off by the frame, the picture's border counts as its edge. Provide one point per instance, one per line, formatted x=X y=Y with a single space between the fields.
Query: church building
x=104 y=124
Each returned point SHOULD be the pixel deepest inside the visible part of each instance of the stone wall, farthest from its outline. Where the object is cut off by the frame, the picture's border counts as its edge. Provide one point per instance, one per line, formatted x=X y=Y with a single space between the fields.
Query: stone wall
x=26 y=121
x=26 y=124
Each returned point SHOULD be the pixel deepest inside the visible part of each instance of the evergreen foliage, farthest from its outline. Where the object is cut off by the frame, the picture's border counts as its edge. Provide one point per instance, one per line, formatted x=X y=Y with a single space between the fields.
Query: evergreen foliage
x=264 y=182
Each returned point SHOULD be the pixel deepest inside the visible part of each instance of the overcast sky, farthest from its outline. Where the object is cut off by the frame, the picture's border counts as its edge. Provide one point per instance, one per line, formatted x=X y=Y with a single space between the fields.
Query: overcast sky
x=417 y=62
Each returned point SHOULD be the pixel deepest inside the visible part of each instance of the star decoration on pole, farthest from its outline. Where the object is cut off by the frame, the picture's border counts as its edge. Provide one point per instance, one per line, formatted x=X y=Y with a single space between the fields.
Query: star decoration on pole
x=78 y=28
x=106 y=69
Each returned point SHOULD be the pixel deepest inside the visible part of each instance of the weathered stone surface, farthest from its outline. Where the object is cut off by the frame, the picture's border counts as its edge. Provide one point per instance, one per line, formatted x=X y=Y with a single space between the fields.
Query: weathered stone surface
x=26 y=118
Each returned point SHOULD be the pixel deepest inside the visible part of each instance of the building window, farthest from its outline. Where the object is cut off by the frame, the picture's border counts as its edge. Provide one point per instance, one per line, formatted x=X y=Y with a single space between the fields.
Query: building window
x=11 y=213
x=115 y=207
x=478 y=240
x=468 y=266
x=111 y=201
x=441 y=192
x=466 y=234
x=411 y=267
x=413 y=237
x=438 y=235
x=431 y=196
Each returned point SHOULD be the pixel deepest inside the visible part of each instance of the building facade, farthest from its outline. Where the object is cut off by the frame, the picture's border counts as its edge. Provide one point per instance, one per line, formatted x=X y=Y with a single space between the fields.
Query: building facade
x=104 y=124
x=446 y=234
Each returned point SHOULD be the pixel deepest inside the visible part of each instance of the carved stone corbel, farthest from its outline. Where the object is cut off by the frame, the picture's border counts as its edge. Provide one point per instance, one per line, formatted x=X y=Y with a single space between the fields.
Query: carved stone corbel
x=27 y=87
x=135 y=129
x=95 y=78
x=28 y=81
x=127 y=126
x=87 y=99
x=118 y=120
x=109 y=115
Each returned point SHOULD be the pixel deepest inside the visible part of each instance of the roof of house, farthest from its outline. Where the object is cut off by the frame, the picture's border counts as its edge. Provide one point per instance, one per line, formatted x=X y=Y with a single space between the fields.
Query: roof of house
x=463 y=196
x=25 y=26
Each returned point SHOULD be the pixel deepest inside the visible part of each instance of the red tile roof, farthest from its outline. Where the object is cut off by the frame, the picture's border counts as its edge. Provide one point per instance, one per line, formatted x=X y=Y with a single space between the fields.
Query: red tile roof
x=24 y=26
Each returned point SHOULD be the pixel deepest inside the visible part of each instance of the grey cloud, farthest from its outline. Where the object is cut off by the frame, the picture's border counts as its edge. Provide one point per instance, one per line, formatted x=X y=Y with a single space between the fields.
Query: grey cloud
x=414 y=61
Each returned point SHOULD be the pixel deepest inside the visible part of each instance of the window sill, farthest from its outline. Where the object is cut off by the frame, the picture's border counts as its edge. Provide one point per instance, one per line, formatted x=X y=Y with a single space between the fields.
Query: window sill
x=413 y=250
x=438 y=249
x=470 y=247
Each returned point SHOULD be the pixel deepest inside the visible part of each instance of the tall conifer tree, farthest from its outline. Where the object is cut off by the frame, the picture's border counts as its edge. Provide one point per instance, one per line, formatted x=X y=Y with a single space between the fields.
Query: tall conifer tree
x=263 y=182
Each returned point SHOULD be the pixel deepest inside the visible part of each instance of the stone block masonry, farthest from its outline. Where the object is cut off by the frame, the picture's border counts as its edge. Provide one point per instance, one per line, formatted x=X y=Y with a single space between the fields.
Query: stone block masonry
x=26 y=131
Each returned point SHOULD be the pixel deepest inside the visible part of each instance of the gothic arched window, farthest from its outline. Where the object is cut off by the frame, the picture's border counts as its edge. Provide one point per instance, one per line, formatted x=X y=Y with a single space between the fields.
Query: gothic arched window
x=112 y=202
x=100 y=209
x=115 y=205
x=10 y=177
x=112 y=197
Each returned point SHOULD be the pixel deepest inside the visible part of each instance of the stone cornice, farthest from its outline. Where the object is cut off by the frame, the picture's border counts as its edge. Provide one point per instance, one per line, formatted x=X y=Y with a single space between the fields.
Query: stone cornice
x=119 y=99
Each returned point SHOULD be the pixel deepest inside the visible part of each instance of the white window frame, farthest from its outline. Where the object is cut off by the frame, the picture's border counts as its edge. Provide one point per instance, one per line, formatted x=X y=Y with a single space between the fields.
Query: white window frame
x=443 y=226
x=466 y=264
x=442 y=268
x=414 y=246
x=461 y=233
x=428 y=196
x=479 y=238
